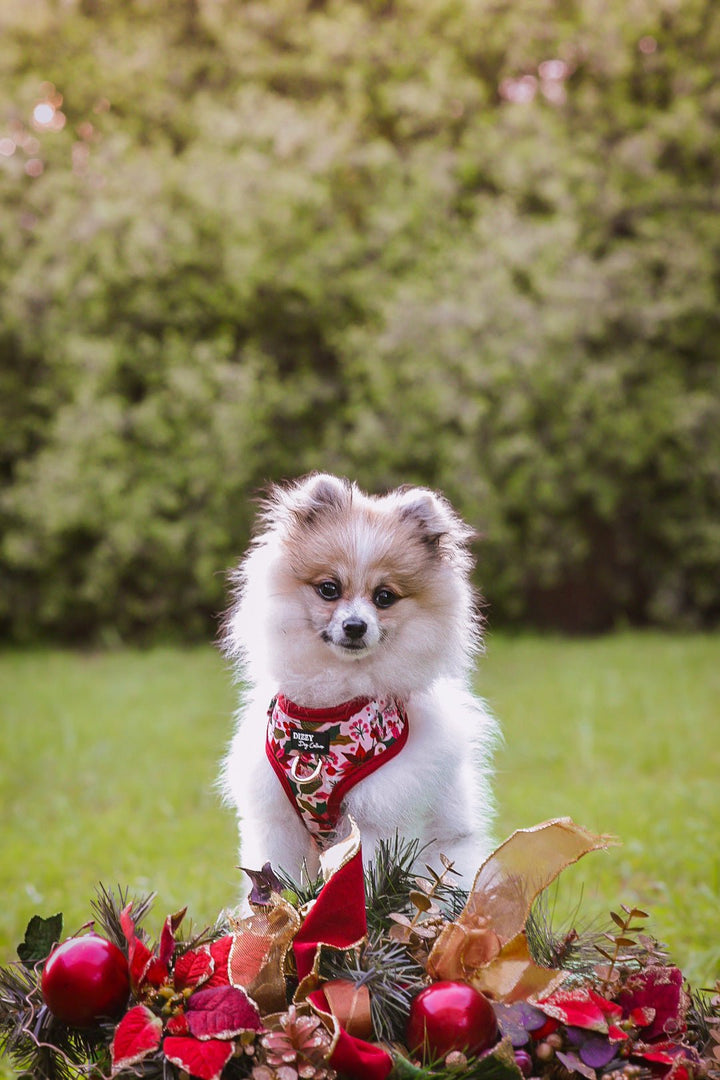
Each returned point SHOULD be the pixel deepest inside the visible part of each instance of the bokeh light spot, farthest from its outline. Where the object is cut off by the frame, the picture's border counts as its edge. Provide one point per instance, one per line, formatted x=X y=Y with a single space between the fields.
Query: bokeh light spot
x=43 y=114
x=519 y=91
x=553 y=70
x=34 y=167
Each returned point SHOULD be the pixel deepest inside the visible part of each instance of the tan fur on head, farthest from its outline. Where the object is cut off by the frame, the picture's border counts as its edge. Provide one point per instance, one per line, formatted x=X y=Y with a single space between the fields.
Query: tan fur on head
x=325 y=529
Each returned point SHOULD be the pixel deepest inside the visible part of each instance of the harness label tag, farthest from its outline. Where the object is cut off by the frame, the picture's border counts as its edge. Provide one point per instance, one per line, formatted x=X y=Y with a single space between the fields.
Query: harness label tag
x=310 y=742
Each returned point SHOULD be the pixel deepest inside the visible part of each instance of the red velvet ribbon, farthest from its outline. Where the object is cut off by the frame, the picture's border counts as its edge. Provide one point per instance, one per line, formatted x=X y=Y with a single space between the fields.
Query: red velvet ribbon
x=352 y=1057
x=338 y=918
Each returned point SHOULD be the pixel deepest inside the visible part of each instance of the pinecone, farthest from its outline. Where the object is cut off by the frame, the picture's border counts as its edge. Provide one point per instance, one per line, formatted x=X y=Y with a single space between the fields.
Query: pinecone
x=297 y=1050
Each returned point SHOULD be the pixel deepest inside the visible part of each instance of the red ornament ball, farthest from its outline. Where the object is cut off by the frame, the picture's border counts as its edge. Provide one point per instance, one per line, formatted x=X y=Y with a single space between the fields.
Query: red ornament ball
x=85 y=980
x=450 y=1016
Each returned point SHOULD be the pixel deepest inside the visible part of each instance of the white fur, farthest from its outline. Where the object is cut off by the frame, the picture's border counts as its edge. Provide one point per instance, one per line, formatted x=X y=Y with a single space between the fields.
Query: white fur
x=287 y=640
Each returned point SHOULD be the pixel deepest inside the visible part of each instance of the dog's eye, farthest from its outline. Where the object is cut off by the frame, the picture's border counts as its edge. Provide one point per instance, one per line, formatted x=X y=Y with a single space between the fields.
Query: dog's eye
x=383 y=598
x=329 y=590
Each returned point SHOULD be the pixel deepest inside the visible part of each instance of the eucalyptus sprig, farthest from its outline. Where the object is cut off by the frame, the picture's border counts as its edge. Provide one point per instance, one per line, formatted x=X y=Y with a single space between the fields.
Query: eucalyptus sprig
x=626 y=938
x=419 y=932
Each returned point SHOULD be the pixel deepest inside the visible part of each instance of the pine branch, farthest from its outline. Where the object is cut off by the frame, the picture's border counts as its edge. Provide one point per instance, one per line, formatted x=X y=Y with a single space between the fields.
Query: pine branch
x=108 y=905
x=392 y=876
x=33 y=1039
x=703 y=1019
x=566 y=946
x=305 y=889
x=390 y=974
x=390 y=872
x=19 y=996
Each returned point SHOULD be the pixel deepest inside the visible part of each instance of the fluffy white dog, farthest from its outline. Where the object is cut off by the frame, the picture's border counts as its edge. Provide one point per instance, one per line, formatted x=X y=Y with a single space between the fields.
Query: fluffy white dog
x=354 y=630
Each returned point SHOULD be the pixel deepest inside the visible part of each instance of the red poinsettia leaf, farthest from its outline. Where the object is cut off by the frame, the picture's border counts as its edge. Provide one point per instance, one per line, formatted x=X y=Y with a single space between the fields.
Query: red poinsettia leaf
x=144 y=965
x=177 y=1025
x=659 y=988
x=660 y=1057
x=156 y=972
x=616 y=1034
x=641 y=1017
x=221 y=1012
x=177 y=918
x=666 y=1052
x=609 y=1008
x=193 y=968
x=167 y=942
x=137 y=1035
x=550 y=1025
x=127 y=924
x=140 y=958
x=205 y=1060
x=220 y=952
x=580 y=1008
x=167 y=938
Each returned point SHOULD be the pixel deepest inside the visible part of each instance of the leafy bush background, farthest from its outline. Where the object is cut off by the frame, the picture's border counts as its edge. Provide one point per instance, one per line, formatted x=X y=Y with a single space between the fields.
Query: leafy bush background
x=300 y=234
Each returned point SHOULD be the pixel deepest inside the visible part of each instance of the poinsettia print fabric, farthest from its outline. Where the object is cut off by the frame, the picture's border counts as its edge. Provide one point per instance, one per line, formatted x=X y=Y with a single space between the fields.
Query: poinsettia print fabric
x=348 y=743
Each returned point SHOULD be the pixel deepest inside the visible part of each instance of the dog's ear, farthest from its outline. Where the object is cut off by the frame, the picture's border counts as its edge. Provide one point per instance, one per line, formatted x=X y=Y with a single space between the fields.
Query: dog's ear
x=324 y=489
x=308 y=498
x=434 y=516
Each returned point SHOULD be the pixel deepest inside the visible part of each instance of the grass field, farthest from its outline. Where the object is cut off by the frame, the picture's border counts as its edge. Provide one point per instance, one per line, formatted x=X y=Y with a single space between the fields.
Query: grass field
x=107 y=764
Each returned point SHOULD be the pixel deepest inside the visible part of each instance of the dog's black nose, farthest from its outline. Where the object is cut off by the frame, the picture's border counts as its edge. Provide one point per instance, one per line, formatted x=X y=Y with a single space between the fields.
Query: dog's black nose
x=354 y=628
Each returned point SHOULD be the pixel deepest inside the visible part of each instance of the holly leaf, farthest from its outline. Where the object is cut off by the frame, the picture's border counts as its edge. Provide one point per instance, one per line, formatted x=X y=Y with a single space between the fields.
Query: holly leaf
x=205 y=1060
x=137 y=1035
x=40 y=936
x=221 y=1012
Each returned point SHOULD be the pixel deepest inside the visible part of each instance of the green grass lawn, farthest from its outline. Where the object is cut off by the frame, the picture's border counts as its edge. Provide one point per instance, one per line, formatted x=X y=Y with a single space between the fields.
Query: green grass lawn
x=107 y=764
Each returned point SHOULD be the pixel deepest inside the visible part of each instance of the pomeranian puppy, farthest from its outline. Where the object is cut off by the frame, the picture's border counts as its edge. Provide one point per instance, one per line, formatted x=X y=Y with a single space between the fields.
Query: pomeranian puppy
x=354 y=631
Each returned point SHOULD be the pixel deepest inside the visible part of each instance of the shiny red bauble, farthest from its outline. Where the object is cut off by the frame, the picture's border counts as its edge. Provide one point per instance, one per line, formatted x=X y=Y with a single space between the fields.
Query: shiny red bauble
x=450 y=1016
x=85 y=980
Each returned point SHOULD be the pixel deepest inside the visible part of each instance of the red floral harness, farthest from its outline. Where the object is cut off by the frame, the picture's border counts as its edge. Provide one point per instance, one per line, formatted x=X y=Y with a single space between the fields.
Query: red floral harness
x=320 y=754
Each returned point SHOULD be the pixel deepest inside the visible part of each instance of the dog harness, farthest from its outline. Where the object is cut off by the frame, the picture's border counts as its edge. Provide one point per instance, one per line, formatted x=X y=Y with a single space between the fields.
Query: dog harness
x=320 y=754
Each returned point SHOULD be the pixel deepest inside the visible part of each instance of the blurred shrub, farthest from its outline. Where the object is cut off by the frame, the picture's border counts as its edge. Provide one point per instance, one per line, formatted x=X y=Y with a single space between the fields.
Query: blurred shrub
x=439 y=241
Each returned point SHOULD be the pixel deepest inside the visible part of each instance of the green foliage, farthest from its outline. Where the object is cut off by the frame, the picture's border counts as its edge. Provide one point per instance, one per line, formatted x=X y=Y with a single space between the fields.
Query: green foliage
x=40 y=936
x=278 y=236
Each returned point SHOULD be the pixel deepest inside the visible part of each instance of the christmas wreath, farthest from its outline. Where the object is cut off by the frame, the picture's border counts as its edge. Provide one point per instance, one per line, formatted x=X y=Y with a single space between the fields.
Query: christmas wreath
x=375 y=974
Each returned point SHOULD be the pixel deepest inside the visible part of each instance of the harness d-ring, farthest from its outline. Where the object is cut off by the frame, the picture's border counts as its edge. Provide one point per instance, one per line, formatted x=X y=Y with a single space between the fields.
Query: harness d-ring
x=303 y=780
